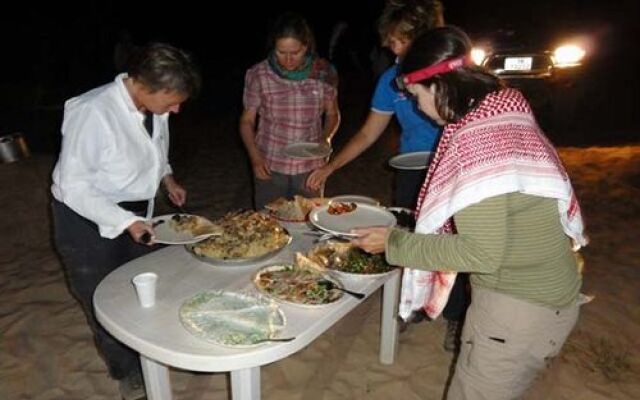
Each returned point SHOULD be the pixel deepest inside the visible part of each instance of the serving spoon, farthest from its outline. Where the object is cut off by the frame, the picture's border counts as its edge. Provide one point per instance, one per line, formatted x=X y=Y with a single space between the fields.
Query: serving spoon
x=274 y=340
x=329 y=285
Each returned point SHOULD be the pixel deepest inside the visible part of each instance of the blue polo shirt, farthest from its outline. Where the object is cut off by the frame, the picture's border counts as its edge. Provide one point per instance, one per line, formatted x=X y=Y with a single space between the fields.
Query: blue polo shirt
x=419 y=132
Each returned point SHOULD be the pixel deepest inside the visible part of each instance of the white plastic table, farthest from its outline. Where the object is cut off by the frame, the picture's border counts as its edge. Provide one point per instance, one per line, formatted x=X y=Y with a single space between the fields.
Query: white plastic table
x=157 y=334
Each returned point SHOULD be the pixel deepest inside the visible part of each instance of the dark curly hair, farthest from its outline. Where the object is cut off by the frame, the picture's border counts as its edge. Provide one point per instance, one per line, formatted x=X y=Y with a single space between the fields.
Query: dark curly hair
x=409 y=18
x=458 y=91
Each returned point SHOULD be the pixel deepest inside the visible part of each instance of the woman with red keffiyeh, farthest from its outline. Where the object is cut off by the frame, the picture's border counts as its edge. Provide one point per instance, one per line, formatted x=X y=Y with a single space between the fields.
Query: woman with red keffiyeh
x=497 y=203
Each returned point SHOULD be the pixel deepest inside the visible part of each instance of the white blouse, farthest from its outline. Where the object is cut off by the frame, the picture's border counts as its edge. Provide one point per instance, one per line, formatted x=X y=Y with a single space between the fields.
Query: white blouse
x=108 y=157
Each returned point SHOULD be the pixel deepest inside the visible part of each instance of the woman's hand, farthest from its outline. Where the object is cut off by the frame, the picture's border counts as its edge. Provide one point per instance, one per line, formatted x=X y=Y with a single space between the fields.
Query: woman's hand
x=260 y=168
x=317 y=178
x=141 y=232
x=371 y=240
x=177 y=194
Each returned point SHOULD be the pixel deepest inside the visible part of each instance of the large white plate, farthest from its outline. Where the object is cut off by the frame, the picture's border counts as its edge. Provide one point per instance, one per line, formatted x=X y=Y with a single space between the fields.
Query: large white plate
x=345 y=274
x=354 y=198
x=232 y=319
x=307 y=150
x=165 y=234
x=411 y=161
x=335 y=296
x=365 y=215
x=239 y=262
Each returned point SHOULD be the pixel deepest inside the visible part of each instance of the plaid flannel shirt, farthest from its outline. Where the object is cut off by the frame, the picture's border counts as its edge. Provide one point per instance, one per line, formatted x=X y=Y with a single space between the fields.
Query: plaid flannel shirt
x=289 y=112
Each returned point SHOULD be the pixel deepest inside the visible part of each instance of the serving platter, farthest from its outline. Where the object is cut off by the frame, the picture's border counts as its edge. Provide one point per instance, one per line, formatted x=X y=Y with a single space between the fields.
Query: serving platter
x=232 y=319
x=348 y=262
x=240 y=261
x=297 y=286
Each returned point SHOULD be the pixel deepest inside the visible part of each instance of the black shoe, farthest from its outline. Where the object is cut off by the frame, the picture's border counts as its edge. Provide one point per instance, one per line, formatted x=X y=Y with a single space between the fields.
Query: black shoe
x=132 y=387
x=452 y=336
x=414 y=318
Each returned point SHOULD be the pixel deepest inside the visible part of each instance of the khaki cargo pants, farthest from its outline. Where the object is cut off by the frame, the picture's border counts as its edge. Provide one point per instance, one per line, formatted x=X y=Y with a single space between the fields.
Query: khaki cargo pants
x=506 y=342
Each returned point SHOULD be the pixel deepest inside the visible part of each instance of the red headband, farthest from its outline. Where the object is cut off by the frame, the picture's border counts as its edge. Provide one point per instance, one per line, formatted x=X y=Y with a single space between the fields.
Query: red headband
x=440 y=68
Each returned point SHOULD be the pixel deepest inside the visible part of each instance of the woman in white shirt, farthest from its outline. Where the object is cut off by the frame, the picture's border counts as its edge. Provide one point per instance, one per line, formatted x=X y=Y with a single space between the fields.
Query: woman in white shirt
x=114 y=157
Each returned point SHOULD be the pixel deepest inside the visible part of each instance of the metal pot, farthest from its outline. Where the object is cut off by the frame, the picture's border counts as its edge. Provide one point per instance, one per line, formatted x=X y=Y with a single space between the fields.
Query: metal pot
x=13 y=147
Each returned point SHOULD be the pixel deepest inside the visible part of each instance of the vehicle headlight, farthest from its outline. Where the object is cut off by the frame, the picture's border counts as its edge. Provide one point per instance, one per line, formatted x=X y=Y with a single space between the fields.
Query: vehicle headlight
x=478 y=55
x=568 y=56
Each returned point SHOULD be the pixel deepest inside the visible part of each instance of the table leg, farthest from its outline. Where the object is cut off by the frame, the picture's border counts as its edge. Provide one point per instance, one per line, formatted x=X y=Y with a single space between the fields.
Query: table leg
x=245 y=384
x=389 y=323
x=156 y=379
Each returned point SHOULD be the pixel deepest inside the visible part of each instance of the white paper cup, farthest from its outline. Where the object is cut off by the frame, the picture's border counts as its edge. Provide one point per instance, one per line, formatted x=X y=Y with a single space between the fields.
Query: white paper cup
x=145 y=284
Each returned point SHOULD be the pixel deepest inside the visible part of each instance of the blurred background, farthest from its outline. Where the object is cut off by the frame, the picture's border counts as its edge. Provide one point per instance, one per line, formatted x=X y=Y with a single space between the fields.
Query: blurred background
x=56 y=50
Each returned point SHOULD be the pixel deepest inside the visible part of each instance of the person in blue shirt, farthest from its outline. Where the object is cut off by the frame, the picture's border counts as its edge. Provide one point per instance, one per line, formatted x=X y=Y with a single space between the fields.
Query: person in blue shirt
x=401 y=21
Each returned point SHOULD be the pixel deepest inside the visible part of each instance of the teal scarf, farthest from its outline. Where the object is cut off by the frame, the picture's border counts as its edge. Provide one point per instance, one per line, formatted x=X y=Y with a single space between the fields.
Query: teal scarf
x=298 y=75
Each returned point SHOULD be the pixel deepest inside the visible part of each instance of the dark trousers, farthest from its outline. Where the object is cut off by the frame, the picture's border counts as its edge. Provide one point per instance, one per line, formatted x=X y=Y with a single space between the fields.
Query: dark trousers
x=407 y=189
x=459 y=299
x=87 y=258
x=280 y=185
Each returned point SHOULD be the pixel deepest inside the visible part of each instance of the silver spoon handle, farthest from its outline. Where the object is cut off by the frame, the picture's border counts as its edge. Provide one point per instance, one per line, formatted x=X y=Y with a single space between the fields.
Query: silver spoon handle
x=276 y=340
x=354 y=294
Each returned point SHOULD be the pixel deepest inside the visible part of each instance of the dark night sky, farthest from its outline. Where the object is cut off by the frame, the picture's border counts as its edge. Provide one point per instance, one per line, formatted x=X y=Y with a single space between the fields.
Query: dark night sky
x=42 y=37
x=53 y=50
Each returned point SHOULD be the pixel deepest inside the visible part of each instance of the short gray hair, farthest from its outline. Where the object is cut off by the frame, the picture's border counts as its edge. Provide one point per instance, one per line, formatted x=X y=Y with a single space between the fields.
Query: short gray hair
x=160 y=66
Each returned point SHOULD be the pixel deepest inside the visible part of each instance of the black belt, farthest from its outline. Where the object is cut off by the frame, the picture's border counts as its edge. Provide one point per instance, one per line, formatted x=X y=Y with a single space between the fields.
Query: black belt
x=138 y=207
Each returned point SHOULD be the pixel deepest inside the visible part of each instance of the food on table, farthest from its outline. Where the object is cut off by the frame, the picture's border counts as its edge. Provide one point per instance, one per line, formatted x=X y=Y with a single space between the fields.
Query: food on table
x=347 y=258
x=339 y=208
x=245 y=234
x=295 y=210
x=193 y=224
x=231 y=319
x=299 y=283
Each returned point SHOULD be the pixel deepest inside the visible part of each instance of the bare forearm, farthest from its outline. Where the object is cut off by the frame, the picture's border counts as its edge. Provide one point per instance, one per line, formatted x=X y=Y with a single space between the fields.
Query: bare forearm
x=331 y=124
x=363 y=139
x=247 y=133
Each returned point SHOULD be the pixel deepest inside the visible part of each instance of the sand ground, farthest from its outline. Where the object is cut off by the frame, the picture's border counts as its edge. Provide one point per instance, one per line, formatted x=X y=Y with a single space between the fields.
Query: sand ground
x=46 y=348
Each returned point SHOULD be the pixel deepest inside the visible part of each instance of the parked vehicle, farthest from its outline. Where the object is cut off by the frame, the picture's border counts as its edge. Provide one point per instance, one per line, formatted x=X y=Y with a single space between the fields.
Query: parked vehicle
x=548 y=65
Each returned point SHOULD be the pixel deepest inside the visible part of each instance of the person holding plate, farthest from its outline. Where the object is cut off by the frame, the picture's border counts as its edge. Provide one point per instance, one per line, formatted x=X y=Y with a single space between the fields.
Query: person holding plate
x=400 y=23
x=289 y=97
x=497 y=203
x=114 y=157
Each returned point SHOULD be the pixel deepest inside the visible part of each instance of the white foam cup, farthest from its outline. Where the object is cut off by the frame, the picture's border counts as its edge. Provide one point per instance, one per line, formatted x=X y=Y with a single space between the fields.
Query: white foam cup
x=145 y=284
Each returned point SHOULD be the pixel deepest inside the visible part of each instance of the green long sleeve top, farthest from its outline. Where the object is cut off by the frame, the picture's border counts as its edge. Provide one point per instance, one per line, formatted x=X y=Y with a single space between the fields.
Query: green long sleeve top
x=512 y=243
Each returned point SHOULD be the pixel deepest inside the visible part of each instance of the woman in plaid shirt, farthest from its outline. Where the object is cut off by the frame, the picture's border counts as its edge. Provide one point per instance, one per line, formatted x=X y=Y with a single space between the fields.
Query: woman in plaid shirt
x=289 y=97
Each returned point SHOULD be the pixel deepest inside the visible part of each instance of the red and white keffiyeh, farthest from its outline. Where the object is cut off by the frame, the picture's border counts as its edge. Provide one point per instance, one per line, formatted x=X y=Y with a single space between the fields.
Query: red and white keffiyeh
x=496 y=148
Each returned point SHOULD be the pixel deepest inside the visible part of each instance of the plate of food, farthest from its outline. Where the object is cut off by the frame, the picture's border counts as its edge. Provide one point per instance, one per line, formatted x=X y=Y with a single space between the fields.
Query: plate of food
x=354 y=198
x=411 y=161
x=340 y=218
x=307 y=150
x=183 y=228
x=346 y=260
x=296 y=210
x=232 y=319
x=298 y=284
x=247 y=238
